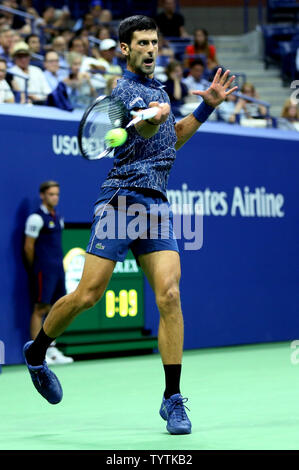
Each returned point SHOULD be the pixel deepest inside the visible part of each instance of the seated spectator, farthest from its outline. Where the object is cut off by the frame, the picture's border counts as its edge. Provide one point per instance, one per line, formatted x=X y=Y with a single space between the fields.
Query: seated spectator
x=77 y=45
x=34 y=44
x=105 y=17
x=68 y=36
x=289 y=119
x=6 y=42
x=88 y=23
x=103 y=33
x=174 y=86
x=59 y=46
x=79 y=86
x=105 y=62
x=170 y=22
x=46 y=20
x=6 y=95
x=37 y=86
x=195 y=80
x=290 y=111
x=226 y=110
x=108 y=57
x=251 y=109
x=200 y=49
x=54 y=75
x=211 y=68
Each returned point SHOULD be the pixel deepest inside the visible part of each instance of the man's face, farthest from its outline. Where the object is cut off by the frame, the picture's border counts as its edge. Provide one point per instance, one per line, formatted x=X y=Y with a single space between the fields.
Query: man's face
x=59 y=44
x=34 y=44
x=197 y=71
x=169 y=6
x=49 y=14
x=2 y=70
x=22 y=60
x=108 y=55
x=88 y=20
x=50 y=197
x=6 y=39
x=142 y=52
x=52 y=62
x=78 y=46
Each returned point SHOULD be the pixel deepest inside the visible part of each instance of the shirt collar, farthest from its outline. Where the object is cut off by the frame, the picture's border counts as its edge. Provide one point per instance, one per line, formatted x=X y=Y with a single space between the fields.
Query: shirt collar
x=44 y=209
x=152 y=82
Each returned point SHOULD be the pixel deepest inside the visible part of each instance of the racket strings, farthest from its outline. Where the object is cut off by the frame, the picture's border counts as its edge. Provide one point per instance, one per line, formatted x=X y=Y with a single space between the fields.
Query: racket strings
x=103 y=117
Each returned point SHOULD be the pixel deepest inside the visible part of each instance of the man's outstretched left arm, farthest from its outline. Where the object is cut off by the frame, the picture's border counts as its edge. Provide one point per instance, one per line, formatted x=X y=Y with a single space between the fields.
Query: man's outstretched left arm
x=212 y=97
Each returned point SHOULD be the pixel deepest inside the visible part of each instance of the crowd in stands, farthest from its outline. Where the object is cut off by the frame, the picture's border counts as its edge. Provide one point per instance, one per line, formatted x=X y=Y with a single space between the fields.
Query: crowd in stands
x=65 y=57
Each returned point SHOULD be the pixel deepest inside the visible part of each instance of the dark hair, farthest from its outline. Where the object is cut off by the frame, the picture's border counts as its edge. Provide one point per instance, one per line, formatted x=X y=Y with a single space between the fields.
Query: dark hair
x=134 y=23
x=47 y=185
x=205 y=46
x=205 y=32
x=197 y=62
x=31 y=36
x=71 y=42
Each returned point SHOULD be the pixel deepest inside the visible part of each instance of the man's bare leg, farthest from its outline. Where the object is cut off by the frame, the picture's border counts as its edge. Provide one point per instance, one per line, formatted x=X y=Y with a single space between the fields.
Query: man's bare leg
x=37 y=317
x=163 y=271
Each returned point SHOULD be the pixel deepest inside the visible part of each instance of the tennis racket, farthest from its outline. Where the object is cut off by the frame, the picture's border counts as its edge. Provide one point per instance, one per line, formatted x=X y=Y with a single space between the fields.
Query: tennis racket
x=105 y=114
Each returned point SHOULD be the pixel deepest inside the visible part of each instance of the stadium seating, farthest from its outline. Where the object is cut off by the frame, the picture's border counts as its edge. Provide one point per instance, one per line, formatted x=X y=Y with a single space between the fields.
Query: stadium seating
x=274 y=36
x=288 y=52
x=121 y=9
x=280 y=46
x=282 y=10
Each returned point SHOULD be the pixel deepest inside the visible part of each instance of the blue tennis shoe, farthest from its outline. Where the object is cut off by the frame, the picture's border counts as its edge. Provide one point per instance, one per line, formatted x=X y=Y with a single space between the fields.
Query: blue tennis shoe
x=44 y=380
x=173 y=411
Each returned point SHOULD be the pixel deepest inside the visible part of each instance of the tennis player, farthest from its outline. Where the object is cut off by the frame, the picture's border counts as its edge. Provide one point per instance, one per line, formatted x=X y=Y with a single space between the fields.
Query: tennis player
x=140 y=172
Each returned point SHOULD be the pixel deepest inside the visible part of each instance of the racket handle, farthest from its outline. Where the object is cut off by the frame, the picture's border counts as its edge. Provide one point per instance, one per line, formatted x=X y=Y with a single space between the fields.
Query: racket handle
x=143 y=115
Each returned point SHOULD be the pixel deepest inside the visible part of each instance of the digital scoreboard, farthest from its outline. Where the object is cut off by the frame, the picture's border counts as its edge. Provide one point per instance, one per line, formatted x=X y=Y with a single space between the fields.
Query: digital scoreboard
x=116 y=322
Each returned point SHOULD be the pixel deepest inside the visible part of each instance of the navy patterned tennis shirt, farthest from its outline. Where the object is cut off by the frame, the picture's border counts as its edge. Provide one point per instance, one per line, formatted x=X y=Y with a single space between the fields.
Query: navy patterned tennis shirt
x=140 y=162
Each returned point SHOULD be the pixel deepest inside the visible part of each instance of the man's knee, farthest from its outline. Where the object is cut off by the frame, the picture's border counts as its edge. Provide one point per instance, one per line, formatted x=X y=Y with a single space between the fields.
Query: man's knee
x=168 y=297
x=86 y=299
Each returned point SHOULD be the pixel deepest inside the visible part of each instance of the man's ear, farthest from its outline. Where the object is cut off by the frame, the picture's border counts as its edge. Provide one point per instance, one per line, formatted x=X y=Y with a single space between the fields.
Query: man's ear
x=124 y=48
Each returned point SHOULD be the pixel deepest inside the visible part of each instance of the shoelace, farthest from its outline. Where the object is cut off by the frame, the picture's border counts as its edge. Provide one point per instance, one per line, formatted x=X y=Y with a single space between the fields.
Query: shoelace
x=178 y=408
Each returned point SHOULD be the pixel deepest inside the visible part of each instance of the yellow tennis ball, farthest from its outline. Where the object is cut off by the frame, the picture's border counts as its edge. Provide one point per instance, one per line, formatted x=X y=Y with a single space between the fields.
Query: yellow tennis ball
x=116 y=137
